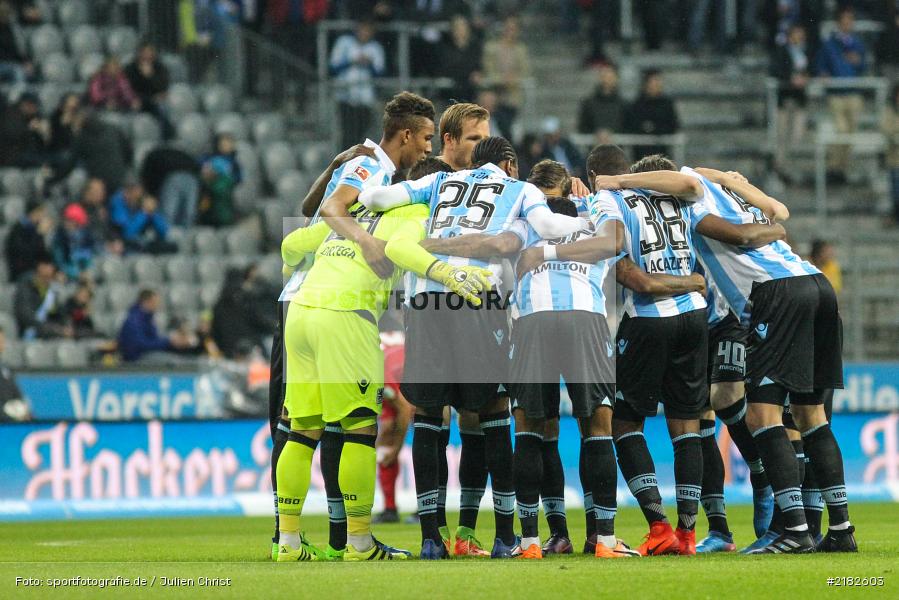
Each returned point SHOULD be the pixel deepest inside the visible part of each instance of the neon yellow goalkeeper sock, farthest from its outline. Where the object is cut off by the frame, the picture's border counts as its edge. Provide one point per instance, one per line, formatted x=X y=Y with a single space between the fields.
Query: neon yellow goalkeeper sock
x=357 y=482
x=293 y=475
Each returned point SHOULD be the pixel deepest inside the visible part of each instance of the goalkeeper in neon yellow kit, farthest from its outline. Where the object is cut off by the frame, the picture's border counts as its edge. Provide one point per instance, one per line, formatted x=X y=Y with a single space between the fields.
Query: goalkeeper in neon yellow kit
x=335 y=366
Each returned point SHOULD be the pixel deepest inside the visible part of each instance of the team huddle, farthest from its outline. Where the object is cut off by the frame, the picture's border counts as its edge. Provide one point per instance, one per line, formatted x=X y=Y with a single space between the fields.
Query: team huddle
x=503 y=299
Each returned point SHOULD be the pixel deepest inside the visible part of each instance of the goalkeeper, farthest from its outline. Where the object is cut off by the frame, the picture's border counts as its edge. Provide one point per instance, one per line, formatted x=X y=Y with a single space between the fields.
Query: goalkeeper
x=335 y=366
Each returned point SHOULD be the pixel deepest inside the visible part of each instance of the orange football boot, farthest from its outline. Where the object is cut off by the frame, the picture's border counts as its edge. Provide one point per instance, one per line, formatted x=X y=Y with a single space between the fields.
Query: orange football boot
x=621 y=550
x=531 y=552
x=687 y=541
x=660 y=540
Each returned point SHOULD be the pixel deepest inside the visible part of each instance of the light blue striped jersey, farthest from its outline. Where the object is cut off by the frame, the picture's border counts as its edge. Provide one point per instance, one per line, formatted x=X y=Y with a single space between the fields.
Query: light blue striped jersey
x=735 y=269
x=560 y=284
x=482 y=200
x=361 y=173
x=658 y=238
x=717 y=307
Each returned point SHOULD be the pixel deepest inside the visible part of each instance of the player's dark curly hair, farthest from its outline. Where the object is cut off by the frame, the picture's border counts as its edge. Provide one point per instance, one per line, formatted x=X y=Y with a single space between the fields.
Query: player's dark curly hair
x=429 y=165
x=607 y=159
x=548 y=174
x=406 y=111
x=494 y=149
x=653 y=162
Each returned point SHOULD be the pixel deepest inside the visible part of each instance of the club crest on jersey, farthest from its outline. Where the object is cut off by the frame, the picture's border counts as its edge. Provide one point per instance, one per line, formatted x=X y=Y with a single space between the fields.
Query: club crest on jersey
x=622 y=346
x=762 y=330
x=363 y=385
x=362 y=172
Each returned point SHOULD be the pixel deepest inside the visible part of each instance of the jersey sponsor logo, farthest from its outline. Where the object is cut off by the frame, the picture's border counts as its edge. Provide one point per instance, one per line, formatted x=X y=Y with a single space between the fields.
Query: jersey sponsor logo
x=362 y=172
x=622 y=346
x=363 y=386
x=344 y=251
x=762 y=330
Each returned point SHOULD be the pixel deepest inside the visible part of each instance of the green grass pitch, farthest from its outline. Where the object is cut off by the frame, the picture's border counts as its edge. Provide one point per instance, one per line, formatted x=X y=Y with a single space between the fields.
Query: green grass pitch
x=237 y=548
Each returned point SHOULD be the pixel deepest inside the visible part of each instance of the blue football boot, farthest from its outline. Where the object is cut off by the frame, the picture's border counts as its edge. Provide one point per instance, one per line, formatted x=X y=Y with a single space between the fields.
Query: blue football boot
x=716 y=542
x=762 y=510
x=431 y=550
x=765 y=539
x=501 y=550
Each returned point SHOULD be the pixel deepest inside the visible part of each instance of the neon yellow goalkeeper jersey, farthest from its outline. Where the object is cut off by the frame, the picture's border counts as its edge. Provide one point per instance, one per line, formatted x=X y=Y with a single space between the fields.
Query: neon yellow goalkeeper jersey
x=340 y=278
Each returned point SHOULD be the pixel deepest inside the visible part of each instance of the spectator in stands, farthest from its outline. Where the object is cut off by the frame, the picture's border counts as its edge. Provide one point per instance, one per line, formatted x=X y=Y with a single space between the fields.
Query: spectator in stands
x=790 y=64
x=603 y=110
x=823 y=255
x=489 y=99
x=25 y=242
x=842 y=56
x=559 y=148
x=110 y=89
x=239 y=317
x=93 y=200
x=25 y=134
x=15 y=66
x=13 y=406
x=73 y=244
x=459 y=58
x=172 y=176
x=220 y=173
x=506 y=66
x=199 y=38
x=891 y=133
x=78 y=313
x=102 y=149
x=139 y=339
x=149 y=79
x=142 y=227
x=780 y=15
x=356 y=59
x=62 y=126
x=652 y=113
x=38 y=303
x=531 y=154
x=28 y=12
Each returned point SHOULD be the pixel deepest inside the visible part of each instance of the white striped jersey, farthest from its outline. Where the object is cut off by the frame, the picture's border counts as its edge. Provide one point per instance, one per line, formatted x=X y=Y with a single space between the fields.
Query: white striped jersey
x=658 y=238
x=361 y=173
x=717 y=307
x=560 y=284
x=736 y=269
x=482 y=200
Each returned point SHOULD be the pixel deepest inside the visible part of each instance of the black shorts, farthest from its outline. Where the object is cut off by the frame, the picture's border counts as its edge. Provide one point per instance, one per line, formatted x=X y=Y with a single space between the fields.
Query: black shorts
x=663 y=359
x=572 y=344
x=456 y=355
x=277 y=388
x=795 y=336
x=727 y=350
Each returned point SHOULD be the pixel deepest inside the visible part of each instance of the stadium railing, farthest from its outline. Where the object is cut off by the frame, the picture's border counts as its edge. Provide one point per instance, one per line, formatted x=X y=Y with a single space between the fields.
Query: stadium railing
x=676 y=141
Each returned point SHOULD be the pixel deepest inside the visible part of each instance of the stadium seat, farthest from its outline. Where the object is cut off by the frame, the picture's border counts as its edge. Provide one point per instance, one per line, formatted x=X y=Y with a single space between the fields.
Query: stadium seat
x=292 y=187
x=182 y=298
x=8 y=325
x=14 y=183
x=141 y=149
x=7 y=292
x=75 y=182
x=177 y=67
x=73 y=12
x=211 y=270
x=84 y=40
x=209 y=295
x=278 y=158
x=72 y=355
x=120 y=297
x=246 y=195
x=208 y=242
x=88 y=65
x=181 y=99
x=113 y=270
x=147 y=270
x=242 y=243
x=315 y=158
x=105 y=321
x=13 y=208
x=217 y=99
x=145 y=128
x=270 y=268
x=274 y=213
x=50 y=94
x=57 y=68
x=193 y=132
x=248 y=157
x=232 y=123
x=40 y=354
x=180 y=269
x=12 y=355
x=121 y=41
x=45 y=40
x=267 y=128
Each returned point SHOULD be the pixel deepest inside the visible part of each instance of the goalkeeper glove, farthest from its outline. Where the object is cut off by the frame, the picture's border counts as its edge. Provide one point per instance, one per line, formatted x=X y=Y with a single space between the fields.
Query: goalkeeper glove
x=467 y=281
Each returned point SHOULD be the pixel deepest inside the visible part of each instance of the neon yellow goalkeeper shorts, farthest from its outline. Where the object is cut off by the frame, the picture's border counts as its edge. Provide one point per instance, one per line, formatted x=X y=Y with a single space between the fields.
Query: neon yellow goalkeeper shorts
x=335 y=366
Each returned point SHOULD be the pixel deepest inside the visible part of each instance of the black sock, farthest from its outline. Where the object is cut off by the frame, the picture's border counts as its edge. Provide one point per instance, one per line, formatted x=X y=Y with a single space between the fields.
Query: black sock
x=599 y=457
x=443 y=476
x=799 y=451
x=734 y=417
x=331 y=447
x=640 y=473
x=586 y=485
x=783 y=473
x=825 y=458
x=687 y=478
x=528 y=462
x=498 y=452
x=472 y=477
x=426 y=467
x=712 y=479
x=277 y=447
x=812 y=500
x=552 y=489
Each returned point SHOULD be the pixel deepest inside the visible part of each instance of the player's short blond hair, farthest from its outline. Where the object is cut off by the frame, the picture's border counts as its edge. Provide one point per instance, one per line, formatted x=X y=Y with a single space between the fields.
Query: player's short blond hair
x=456 y=114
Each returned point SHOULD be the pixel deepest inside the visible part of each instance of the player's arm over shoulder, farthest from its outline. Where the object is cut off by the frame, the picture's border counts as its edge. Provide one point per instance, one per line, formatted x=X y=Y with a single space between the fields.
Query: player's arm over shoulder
x=747 y=235
x=545 y=222
x=773 y=208
x=300 y=242
x=628 y=274
x=406 y=230
x=381 y=198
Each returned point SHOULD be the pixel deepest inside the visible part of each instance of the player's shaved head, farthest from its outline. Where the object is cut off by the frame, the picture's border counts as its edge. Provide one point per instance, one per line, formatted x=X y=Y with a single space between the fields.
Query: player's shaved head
x=494 y=149
x=549 y=174
x=407 y=111
x=432 y=164
x=653 y=162
x=607 y=159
